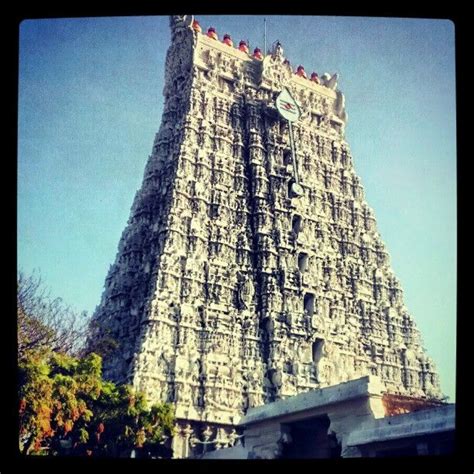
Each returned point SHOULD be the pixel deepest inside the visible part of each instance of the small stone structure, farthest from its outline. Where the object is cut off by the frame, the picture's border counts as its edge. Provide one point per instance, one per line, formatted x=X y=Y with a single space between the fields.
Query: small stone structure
x=424 y=432
x=228 y=292
x=345 y=420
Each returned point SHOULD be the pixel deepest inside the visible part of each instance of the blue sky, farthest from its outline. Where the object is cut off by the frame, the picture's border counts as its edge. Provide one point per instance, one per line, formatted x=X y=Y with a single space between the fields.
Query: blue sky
x=90 y=102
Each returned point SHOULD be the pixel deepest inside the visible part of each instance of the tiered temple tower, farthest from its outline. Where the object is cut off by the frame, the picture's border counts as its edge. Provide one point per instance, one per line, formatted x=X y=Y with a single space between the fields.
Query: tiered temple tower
x=228 y=291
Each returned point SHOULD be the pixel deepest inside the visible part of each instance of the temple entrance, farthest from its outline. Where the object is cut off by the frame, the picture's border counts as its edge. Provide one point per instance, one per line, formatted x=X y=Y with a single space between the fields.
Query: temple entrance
x=310 y=440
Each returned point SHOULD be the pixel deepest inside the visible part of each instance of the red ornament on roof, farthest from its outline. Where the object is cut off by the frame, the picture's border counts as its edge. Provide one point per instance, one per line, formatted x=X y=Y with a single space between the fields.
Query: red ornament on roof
x=211 y=32
x=243 y=46
x=257 y=54
x=301 y=72
x=228 y=40
x=315 y=78
x=197 y=26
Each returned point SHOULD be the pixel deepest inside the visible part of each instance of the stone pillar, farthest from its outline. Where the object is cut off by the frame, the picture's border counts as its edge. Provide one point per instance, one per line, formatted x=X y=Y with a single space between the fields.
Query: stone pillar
x=186 y=432
x=177 y=444
x=349 y=416
x=267 y=441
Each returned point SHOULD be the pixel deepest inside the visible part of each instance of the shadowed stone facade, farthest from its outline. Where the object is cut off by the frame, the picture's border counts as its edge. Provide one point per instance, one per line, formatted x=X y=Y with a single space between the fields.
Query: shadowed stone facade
x=228 y=292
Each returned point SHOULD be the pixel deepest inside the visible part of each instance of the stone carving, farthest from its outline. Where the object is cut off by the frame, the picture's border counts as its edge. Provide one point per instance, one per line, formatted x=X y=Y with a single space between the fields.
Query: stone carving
x=275 y=72
x=181 y=21
x=340 y=106
x=329 y=81
x=207 y=299
x=244 y=292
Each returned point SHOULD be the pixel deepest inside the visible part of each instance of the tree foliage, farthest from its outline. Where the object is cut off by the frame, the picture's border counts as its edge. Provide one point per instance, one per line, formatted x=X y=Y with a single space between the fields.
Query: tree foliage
x=45 y=322
x=67 y=408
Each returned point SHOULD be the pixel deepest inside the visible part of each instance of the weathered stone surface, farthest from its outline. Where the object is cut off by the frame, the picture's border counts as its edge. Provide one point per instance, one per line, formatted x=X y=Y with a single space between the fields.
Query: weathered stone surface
x=364 y=387
x=434 y=420
x=226 y=292
x=347 y=405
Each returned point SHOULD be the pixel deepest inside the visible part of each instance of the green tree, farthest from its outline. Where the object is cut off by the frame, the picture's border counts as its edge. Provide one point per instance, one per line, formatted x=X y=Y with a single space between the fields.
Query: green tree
x=67 y=408
x=65 y=405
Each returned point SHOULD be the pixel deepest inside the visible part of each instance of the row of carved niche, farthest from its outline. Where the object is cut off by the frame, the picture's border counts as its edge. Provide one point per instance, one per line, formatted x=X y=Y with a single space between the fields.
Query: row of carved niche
x=355 y=218
x=305 y=225
x=205 y=271
x=370 y=313
x=215 y=109
x=347 y=213
x=348 y=226
x=306 y=136
x=338 y=177
x=194 y=158
x=207 y=319
x=358 y=271
x=209 y=159
x=314 y=287
x=232 y=250
x=203 y=359
x=190 y=206
x=279 y=156
x=226 y=119
x=313 y=171
x=231 y=127
x=205 y=184
x=229 y=147
x=291 y=302
x=408 y=334
x=330 y=174
x=258 y=133
x=393 y=314
x=413 y=378
x=318 y=177
x=393 y=333
x=326 y=151
x=309 y=231
x=186 y=234
x=185 y=393
x=188 y=192
x=225 y=286
x=229 y=130
x=216 y=251
x=227 y=233
x=278 y=191
x=201 y=203
x=309 y=151
x=351 y=247
x=229 y=323
x=210 y=293
x=314 y=104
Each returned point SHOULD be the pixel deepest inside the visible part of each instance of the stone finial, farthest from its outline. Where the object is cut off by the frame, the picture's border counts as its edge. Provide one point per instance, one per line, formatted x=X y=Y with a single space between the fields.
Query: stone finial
x=277 y=52
x=330 y=81
x=181 y=21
